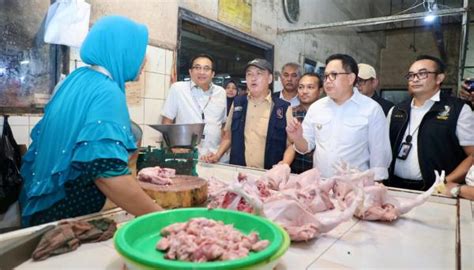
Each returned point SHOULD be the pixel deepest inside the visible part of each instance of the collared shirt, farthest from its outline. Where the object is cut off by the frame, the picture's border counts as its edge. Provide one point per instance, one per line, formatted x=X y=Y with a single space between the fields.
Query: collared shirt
x=410 y=167
x=186 y=102
x=256 y=128
x=294 y=101
x=355 y=132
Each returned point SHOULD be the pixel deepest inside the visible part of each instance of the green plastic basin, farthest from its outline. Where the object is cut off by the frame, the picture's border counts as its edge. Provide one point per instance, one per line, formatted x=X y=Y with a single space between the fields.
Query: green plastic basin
x=271 y=262
x=137 y=239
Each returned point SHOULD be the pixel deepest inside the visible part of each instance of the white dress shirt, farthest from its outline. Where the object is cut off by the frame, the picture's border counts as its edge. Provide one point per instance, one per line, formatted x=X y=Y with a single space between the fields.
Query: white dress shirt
x=410 y=167
x=186 y=102
x=295 y=101
x=355 y=132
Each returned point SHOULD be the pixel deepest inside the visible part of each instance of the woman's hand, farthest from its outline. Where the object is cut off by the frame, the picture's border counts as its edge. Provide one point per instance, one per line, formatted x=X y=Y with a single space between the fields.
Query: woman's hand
x=127 y=194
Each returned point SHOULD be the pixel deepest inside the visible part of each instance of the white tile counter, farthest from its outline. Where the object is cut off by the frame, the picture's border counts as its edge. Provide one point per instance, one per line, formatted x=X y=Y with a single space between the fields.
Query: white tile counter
x=423 y=238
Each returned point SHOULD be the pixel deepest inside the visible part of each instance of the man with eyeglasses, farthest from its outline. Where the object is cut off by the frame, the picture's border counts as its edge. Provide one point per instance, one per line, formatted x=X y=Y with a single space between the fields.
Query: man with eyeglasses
x=290 y=75
x=345 y=125
x=367 y=84
x=255 y=129
x=431 y=131
x=198 y=101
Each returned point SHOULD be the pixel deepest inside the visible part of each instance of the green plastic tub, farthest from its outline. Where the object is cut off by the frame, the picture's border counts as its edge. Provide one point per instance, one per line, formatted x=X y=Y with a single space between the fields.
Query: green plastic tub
x=136 y=240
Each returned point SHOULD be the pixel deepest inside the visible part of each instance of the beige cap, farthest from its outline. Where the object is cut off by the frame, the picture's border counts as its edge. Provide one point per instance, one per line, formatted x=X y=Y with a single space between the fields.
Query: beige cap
x=366 y=72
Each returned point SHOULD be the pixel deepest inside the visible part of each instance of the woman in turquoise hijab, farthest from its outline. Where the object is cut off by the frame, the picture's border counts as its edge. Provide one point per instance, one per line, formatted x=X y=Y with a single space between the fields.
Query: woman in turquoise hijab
x=80 y=148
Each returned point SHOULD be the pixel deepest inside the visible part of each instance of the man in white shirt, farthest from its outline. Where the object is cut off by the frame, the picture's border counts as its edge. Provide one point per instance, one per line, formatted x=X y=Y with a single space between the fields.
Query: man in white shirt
x=290 y=75
x=431 y=131
x=344 y=126
x=198 y=101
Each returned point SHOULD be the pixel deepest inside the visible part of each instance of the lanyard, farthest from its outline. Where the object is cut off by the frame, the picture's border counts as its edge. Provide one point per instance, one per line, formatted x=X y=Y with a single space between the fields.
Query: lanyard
x=410 y=135
x=197 y=103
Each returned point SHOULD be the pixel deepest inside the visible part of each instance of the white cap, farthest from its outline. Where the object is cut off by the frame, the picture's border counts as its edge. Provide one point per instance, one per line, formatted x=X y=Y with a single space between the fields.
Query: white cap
x=366 y=72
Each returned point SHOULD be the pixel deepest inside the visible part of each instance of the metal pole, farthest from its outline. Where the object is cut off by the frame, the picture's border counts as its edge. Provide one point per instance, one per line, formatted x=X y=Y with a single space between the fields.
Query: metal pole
x=463 y=43
x=380 y=20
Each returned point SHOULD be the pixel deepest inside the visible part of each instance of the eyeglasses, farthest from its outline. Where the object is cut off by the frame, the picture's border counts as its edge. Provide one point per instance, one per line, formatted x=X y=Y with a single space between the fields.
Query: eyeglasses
x=419 y=75
x=333 y=75
x=361 y=82
x=199 y=68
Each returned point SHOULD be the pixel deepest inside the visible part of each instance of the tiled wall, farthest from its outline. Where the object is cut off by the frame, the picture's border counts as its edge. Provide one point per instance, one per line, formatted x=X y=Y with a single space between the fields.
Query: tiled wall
x=144 y=101
x=21 y=127
x=146 y=109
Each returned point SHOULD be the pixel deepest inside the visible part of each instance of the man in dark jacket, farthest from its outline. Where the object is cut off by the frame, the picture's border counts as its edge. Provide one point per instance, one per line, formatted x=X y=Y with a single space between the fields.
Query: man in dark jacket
x=367 y=83
x=432 y=131
x=255 y=127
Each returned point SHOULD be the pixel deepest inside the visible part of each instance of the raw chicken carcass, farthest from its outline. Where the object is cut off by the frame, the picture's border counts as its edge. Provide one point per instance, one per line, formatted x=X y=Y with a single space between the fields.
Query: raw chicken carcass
x=277 y=177
x=242 y=194
x=404 y=206
x=378 y=203
x=300 y=223
x=312 y=197
x=304 y=179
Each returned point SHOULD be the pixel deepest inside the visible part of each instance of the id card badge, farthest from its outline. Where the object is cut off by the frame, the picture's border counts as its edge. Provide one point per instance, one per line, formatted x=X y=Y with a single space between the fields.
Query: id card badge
x=404 y=151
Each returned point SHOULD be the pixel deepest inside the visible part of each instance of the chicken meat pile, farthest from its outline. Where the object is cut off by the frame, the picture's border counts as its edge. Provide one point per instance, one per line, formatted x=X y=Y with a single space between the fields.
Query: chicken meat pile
x=301 y=204
x=203 y=240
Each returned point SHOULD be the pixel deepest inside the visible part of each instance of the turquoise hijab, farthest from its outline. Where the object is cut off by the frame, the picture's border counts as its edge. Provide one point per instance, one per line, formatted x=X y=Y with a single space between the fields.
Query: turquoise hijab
x=87 y=118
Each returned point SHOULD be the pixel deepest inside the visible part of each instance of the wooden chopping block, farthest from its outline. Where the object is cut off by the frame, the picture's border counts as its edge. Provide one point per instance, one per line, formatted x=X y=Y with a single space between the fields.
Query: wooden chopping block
x=186 y=191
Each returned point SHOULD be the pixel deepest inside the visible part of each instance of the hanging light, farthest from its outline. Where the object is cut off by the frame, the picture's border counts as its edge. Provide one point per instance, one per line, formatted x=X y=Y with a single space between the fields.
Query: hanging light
x=431 y=7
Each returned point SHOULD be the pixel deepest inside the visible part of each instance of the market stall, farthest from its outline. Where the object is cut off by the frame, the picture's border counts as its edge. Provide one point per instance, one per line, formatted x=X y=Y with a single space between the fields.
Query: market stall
x=435 y=235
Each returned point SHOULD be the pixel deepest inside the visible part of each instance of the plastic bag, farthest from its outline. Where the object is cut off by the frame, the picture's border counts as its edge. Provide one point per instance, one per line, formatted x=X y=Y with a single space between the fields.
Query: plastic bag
x=67 y=22
x=10 y=161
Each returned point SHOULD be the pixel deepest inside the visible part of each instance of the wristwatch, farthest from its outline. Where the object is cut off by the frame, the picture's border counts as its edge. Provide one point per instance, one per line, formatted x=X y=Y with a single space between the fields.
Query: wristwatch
x=455 y=191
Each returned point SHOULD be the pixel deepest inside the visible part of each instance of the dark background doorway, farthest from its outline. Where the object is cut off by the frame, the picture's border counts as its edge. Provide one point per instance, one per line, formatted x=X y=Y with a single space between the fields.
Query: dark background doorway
x=230 y=48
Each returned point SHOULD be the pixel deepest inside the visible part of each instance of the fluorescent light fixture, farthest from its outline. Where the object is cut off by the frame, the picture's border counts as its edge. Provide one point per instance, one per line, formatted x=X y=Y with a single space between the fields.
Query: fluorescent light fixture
x=429 y=18
x=431 y=6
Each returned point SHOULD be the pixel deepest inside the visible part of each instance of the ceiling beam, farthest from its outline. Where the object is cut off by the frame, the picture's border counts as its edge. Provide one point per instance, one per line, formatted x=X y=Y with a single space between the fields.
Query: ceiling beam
x=377 y=20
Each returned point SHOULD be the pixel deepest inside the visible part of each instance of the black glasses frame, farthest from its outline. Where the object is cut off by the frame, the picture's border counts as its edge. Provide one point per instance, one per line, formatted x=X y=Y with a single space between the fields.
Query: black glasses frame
x=333 y=75
x=421 y=75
